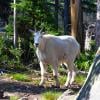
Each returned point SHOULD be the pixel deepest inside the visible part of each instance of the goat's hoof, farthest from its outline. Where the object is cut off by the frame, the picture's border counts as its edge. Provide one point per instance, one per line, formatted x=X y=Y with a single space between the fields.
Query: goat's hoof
x=65 y=87
x=40 y=86
x=67 y=84
x=53 y=86
x=41 y=83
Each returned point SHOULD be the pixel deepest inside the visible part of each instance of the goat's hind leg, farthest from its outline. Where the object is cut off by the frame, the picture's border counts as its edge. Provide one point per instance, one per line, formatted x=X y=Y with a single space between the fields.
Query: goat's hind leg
x=67 y=83
x=73 y=77
x=71 y=74
x=55 y=74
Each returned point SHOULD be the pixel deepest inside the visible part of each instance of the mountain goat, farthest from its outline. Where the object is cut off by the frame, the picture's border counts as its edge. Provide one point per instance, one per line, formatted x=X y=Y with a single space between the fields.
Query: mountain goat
x=56 y=50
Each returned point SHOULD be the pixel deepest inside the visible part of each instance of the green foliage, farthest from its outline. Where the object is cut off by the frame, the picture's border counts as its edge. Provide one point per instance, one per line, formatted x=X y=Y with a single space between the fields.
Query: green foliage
x=62 y=79
x=14 y=98
x=85 y=60
x=80 y=79
x=30 y=14
x=9 y=27
x=21 y=77
x=10 y=57
x=51 y=95
x=89 y=5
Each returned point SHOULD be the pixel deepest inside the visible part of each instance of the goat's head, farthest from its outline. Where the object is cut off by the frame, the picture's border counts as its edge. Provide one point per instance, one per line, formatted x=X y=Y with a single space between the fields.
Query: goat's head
x=37 y=37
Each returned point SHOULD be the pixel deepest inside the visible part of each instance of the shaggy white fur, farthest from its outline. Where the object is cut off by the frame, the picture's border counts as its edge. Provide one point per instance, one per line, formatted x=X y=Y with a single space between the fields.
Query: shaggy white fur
x=56 y=50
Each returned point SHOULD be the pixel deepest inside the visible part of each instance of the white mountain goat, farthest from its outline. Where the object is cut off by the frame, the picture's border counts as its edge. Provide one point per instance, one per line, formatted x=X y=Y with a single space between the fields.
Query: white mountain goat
x=56 y=50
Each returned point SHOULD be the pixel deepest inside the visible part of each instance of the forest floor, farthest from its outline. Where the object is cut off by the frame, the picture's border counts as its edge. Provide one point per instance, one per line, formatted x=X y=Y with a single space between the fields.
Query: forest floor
x=17 y=90
x=26 y=91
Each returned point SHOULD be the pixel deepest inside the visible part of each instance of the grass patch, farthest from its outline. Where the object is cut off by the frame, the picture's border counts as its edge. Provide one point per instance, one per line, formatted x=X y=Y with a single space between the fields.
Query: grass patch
x=14 y=98
x=36 y=81
x=62 y=79
x=21 y=77
x=51 y=95
x=80 y=79
x=62 y=70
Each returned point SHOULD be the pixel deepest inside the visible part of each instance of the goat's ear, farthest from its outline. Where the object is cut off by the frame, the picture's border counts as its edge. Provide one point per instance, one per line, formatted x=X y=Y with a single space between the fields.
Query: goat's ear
x=30 y=30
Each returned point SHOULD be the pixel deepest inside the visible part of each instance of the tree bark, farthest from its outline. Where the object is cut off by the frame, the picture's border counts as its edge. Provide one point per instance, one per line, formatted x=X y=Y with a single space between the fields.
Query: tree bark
x=66 y=16
x=80 y=31
x=15 y=34
x=56 y=13
x=74 y=17
x=77 y=21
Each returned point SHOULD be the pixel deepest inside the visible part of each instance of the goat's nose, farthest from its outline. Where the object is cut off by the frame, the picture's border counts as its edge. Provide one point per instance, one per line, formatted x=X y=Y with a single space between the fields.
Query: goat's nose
x=36 y=44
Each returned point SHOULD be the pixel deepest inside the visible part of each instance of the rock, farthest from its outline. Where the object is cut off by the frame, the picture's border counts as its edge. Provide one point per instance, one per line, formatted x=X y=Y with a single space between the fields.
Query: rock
x=2 y=96
x=67 y=95
x=91 y=87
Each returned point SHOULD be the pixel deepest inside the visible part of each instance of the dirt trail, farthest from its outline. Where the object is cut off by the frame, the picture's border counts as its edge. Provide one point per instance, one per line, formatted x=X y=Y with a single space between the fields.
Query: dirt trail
x=23 y=90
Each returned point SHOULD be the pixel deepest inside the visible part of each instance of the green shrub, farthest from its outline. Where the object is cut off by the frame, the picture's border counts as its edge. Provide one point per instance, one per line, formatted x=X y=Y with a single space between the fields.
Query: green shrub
x=85 y=60
x=80 y=79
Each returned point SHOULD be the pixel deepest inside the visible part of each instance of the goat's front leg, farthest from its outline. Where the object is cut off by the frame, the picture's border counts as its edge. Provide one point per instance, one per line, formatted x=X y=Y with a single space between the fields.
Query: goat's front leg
x=42 y=74
x=55 y=74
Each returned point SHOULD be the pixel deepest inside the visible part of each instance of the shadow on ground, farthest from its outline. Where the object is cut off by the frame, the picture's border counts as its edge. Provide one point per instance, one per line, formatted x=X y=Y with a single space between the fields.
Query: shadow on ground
x=25 y=88
x=28 y=88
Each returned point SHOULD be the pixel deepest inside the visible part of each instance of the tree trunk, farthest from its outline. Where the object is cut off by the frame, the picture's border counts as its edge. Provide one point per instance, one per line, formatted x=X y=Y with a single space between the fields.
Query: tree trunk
x=98 y=24
x=74 y=17
x=56 y=13
x=15 y=35
x=80 y=31
x=66 y=16
x=77 y=21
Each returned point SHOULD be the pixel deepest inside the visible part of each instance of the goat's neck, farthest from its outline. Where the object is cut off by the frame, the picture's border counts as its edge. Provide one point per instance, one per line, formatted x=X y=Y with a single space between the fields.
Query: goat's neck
x=42 y=44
